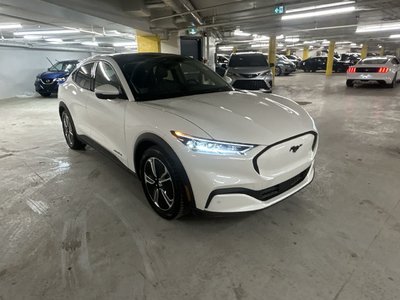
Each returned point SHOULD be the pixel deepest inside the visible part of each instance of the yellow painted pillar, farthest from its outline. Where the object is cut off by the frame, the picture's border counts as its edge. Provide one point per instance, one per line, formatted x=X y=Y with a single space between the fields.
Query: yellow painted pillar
x=331 y=53
x=305 y=52
x=398 y=52
x=382 y=51
x=272 y=54
x=148 y=43
x=364 y=50
x=287 y=51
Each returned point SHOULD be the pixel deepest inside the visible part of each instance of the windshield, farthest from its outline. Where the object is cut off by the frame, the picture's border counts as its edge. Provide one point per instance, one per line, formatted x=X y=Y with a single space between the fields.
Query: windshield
x=373 y=61
x=248 y=60
x=63 y=67
x=169 y=77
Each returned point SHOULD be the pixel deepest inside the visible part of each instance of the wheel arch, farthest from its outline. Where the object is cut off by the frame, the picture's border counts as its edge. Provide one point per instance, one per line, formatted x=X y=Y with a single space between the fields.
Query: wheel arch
x=62 y=107
x=147 y=140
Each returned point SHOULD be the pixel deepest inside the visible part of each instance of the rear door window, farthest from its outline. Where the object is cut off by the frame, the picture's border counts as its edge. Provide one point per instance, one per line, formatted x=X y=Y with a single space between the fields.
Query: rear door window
x=83 y=76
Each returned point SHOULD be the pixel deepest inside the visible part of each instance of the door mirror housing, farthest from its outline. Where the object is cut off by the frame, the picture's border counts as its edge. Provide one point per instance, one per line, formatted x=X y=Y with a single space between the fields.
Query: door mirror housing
x=107 y=91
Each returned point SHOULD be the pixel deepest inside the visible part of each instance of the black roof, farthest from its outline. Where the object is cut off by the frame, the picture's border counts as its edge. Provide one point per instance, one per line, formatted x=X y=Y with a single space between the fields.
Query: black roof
x=124 y=58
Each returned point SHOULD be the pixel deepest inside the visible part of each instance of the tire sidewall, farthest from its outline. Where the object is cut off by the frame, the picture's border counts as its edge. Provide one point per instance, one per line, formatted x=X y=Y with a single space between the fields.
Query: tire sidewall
x=178 y=207
x=76 y=145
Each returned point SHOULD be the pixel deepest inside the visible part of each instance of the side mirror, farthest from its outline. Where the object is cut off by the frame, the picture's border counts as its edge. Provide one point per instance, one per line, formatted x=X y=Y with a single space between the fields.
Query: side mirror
x=272 y=65
x=107 y=91
x=224 y=66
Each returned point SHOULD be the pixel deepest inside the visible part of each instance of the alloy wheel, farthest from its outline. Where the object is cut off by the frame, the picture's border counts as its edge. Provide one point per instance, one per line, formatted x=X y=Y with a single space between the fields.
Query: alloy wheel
x=159 y=184
x=68 y=130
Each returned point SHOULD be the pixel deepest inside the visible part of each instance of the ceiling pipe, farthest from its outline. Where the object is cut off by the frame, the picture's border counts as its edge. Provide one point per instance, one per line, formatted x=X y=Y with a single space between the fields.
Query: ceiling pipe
x=177 y=5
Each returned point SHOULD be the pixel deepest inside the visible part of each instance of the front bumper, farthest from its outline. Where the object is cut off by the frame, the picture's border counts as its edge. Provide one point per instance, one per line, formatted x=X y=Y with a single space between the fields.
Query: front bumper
x=256 y=180
x=370 y=77
x=43 y=87
x=256 y=83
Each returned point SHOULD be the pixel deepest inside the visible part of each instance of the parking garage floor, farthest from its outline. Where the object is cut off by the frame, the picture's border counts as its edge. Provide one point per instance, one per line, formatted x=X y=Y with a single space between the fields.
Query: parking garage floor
x=74 y=225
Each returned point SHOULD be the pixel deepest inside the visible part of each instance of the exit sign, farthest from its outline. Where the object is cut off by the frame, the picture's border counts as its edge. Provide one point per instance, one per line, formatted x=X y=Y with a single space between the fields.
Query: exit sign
x=280 y=9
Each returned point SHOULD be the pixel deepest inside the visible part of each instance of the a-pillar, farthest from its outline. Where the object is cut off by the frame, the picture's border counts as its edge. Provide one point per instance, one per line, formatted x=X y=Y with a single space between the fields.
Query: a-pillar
x=364 y=50
x=272 y=54
x=331 y=53
x=305 y=52
x=148 y=43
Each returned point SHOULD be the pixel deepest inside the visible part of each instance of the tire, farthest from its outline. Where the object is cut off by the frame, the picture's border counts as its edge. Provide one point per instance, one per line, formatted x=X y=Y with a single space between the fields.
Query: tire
x=70 y=133
x=349 y=83
x=313 y=70
x=163 y=184
x=278 y=71
x=43 y=94
x=394 y=82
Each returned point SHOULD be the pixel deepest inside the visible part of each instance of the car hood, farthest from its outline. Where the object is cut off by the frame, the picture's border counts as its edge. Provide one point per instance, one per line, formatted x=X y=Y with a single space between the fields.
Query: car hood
x=248 y=70
x=235 y=116
x=52 y=75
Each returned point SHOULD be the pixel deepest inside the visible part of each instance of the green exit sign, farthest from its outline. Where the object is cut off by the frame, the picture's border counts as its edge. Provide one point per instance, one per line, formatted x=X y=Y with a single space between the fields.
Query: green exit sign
x=192 y=31
x=280 y=9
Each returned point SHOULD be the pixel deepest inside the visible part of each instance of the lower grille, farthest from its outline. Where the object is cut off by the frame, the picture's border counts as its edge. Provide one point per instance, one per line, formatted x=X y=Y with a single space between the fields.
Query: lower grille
x=278 y=189
x=367 y=70
x=250 y=84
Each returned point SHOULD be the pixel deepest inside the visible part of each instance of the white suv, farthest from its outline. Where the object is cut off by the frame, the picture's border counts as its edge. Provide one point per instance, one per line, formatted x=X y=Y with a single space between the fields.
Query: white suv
x=194 y=142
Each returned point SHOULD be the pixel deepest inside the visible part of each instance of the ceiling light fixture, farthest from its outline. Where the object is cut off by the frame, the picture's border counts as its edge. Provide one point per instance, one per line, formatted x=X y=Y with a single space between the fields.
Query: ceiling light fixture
x=125 y=44
x=45 y=32
x=54 y=40
x=90 y=43
x=260 y=38
x=225 y=48
x=292 y=39
x=262 y=45
x=238 y=32
x=395 y=36
x=378 y=27
x=319 y=13
x=319 y=6
x=10 y=26
x=280 y=37
x=32 y=37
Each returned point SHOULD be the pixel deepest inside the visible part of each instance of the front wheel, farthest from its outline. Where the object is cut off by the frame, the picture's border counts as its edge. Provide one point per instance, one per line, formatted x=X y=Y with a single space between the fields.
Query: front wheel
x=70 y=133
x=278 y=71
x=163 y=184
x=45 y=94
x=394 y=82
x=349 y=83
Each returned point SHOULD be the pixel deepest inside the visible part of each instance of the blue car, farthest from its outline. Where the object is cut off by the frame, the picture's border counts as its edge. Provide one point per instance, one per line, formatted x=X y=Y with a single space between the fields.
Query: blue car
x=47 y=82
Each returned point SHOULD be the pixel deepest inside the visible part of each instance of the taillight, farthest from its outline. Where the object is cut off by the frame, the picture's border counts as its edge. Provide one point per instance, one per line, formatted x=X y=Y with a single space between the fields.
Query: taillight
x=351 y=70
x=383 y=70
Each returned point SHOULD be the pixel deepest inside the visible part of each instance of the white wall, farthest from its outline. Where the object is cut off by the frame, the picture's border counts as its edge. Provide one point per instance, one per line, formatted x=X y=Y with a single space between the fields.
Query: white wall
x=19 y=67
x=172 y=45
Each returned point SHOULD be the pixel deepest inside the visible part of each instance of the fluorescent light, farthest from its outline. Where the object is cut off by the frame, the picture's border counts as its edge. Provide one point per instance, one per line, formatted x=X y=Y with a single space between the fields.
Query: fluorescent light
x=10 y=26
x=395 y=36
x=90 y=43
x=263 y=45
x=319 y=13
x=54 y=40
x=280 y=37
x=309 y=42
x=238 y=32
x=378 y=27
x=124 y=44
x=226 y=48
x=280 y=45
x=292 y=39
x=343 y=43
x=319 y=6
x=45 y=32
x=260 y=38
x=32 y=37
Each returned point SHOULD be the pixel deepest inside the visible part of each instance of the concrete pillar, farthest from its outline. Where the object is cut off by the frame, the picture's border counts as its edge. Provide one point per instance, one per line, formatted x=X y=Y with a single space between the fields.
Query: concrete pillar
x=398 y=52
x=305 y=52
x=382 y=51
x=331 y=53
x=364 y=50
x=287 y=51
x=272 y=53
x=148 y=43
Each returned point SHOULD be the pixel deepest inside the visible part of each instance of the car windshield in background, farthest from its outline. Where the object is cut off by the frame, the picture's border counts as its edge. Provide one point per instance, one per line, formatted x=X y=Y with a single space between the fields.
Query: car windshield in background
x=248 y=60
x=169 y=77
x=373 y=61
x=63 y=67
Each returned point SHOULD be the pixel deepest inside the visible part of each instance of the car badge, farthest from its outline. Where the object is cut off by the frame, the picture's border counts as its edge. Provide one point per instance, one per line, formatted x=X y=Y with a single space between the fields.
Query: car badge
x=295 y=148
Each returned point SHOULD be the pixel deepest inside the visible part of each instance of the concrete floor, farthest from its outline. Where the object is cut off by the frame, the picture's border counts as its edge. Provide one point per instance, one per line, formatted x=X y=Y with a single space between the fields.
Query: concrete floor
x=74 y=225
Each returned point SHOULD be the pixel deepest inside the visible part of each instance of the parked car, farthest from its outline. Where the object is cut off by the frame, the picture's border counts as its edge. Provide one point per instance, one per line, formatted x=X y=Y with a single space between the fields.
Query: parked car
x=249 y=71
x=47 y=83
x=221 y=64
x=284 y=66
x=350 y=58
x=317 y=63
x=294 y=59
x=383 y=70
x=193 y=141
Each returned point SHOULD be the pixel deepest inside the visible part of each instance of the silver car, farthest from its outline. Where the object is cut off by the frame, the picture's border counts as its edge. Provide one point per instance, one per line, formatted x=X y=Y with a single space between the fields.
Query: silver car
x=249 y=71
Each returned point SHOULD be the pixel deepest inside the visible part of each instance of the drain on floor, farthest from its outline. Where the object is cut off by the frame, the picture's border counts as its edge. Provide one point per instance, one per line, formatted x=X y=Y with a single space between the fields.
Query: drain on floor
x=303 y=102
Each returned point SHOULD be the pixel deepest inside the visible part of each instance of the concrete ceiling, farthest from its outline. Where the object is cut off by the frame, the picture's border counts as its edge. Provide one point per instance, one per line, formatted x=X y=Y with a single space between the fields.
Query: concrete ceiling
x=218 y=17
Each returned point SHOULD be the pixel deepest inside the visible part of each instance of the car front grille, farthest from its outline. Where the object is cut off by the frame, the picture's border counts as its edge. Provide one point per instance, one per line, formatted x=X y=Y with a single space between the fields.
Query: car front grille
x=367 y=70
x=249 y=75
x=250 y=84
x=47 y=81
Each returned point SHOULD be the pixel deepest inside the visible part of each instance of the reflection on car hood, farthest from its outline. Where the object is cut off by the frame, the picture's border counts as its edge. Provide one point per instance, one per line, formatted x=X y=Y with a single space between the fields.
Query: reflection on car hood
x=239 y=116
x=248 y=70
x=52 y=75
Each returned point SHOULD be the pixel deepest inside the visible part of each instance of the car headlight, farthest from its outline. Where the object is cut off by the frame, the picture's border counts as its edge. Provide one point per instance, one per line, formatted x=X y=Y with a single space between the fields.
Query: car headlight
x=206 y=146
x=62 y=79
x=266 y=73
